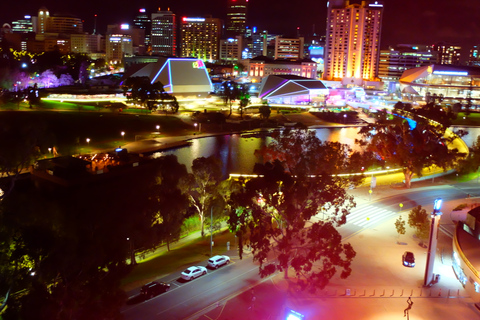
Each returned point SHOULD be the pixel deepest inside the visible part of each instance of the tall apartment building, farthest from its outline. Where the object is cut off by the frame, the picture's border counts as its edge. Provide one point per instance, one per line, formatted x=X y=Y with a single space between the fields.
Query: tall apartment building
x=259 y=43
x=164 y=33
x=447 y=53
x=289 y=48
x=394 y=61
x=236 y=17
x=352 y=47
x=142 y=21
x=200 y=38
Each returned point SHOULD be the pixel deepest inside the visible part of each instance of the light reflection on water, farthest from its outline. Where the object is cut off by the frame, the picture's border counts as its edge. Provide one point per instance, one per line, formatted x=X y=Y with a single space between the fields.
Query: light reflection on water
x=237 y=152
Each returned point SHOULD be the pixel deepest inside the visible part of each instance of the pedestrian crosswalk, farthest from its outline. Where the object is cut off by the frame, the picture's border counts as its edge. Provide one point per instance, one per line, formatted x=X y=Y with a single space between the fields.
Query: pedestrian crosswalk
x=369 y=216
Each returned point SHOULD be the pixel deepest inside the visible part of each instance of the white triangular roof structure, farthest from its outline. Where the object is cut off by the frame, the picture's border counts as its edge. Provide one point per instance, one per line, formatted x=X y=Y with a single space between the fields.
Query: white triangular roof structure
x=274 y=86
x=179 y=76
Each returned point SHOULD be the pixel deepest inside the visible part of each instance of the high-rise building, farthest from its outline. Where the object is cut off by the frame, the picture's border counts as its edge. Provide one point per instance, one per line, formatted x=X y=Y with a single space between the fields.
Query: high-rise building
x=236 y=17
x=353 y=40
x=118 y=46
x=142 y=21
x=200 y=38
x=164 y=33
x=259 y=43
x=289 y=48
x=447 y=53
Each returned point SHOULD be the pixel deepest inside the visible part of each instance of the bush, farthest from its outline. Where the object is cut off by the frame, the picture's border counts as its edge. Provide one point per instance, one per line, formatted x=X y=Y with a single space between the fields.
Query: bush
x=190 y=224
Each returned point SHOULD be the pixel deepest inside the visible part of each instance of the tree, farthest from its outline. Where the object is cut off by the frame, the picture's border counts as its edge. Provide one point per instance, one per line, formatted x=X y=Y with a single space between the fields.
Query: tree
x=418 y=218
x=201 y=185
x=265 y=110
x=230 y=92
x=400 y=226
x=275 y=209
x=410 y=144
x=472 y=162
x=169 y=203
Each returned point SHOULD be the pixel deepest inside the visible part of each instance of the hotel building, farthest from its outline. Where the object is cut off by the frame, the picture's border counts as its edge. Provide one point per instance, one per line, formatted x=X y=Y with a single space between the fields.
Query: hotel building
x=353 y=41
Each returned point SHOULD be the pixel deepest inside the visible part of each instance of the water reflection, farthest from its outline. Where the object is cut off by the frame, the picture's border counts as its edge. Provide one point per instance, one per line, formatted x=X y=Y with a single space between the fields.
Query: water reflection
x=236 y=151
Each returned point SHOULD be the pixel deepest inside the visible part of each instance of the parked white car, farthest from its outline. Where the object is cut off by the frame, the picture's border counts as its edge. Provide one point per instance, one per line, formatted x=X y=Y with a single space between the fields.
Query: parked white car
x=193 y=272
x=218 y=261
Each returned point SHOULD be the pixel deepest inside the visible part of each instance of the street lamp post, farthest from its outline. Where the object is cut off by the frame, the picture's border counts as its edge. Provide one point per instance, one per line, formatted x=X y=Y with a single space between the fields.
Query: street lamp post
x=432 y=243
x=211 y=231
x=123 y=135
x=88 y=142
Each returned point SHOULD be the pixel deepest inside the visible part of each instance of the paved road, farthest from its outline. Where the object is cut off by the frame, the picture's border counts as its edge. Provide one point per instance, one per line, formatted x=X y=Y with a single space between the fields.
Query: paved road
x=186 y=299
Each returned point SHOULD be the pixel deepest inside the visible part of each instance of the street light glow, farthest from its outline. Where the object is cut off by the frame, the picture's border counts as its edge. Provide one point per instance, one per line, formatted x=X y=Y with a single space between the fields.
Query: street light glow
x=437 y=205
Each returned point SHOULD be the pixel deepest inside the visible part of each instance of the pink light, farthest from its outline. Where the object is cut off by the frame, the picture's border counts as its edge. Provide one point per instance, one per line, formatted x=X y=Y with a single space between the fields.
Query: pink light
x=141 y=10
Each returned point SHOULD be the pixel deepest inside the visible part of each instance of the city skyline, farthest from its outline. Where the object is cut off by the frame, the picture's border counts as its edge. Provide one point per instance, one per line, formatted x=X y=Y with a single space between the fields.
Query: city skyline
x=424 y=22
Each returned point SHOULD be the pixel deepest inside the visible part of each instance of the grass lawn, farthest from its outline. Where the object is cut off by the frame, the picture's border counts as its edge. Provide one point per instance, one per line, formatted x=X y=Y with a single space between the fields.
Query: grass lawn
x=473 y=119
x=179 y=258
x=68 y=131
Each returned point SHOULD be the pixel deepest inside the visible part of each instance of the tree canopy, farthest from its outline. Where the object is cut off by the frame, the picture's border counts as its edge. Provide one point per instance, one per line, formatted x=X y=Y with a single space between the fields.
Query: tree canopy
x=274 y=212
x=411 y=142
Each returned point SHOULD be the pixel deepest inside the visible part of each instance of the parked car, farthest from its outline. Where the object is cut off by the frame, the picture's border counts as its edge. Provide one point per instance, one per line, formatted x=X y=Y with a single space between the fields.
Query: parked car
x=218 y=261
x=408 y=259
x=154 y=288
x=193 y=272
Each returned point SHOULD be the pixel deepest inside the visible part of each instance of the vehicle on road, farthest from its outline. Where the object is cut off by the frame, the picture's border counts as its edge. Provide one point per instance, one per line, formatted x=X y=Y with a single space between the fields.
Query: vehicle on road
x=154 y=288
x=408 y=259
x=193 y=272
x=218 y=261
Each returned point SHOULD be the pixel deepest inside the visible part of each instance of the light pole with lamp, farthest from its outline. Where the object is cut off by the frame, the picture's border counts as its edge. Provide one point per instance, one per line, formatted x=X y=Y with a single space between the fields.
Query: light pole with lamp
x=88 y=141
x=211 y=231
x=432 y=243
x=50 y=151
x=123 y=135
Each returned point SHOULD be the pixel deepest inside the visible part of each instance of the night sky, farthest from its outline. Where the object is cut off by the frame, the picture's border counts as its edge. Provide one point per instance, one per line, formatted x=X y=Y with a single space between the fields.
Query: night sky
x=407 y=21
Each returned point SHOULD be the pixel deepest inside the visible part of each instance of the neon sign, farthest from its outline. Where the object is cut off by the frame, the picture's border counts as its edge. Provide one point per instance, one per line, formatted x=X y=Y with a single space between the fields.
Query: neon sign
x=198 y=64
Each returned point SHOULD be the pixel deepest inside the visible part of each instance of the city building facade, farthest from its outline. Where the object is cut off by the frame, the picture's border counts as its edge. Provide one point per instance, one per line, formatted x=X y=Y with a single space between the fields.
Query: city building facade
x=236 y=17
x=261 y=67
x=142 y=21
x=231 y=49
x=289 y=48
x=447 y=53
x=164 y=33
x=200 y=38
x=353 y=41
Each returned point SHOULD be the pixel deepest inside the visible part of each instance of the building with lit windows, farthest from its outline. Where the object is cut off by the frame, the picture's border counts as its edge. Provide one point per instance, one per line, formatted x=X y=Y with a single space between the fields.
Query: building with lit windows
x=28 y=24
x=180 y=76
x=466 y=253
x=142 y=21
x=164 y=33
x=60 y=23
x=86 y=43
x=236 y=17
x=259 y=42
x=474 y=56
x=447 y=53
x=200 y=38
x=231 y=49
x=352 y=47
x=289 y=48
x=452 y=82
x=117 y=46
x=261 y=67
x=394 y=61
x=289 y=89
